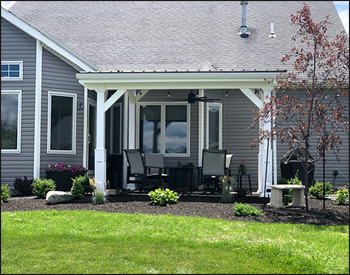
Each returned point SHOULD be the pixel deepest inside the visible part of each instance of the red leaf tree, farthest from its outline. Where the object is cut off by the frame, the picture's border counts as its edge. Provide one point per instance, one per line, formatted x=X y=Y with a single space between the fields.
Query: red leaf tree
x=320 y=69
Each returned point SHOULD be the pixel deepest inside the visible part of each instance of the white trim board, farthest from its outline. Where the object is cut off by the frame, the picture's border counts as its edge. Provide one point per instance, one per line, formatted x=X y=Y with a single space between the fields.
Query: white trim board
x=85 y=65
x=19 y=121
x=37 y=123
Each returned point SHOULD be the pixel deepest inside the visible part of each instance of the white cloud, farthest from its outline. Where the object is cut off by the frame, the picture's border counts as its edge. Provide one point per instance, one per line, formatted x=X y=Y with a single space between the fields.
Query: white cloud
x=344 y=16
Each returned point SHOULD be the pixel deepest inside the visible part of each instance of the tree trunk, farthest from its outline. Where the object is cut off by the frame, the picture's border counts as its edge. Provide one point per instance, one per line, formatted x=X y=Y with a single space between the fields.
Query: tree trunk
x=306 y=174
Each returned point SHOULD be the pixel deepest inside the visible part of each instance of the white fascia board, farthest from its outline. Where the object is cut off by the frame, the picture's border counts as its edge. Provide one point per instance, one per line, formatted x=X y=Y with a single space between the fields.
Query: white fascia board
x=45 y=40
x=163 y=77
x=176 y=80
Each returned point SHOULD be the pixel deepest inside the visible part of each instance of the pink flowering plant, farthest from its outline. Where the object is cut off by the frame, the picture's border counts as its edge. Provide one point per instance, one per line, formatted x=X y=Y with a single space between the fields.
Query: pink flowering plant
x=60 y=167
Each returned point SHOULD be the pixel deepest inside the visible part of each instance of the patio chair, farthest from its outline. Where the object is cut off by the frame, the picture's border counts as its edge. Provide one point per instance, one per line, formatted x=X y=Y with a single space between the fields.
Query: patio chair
x=213 y=167
x=137 y=171
x=155 y=167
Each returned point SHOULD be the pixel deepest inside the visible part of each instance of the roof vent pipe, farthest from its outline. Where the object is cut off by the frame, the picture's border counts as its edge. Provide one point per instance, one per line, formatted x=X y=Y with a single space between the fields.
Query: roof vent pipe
x=243 y=32
x=272 y=32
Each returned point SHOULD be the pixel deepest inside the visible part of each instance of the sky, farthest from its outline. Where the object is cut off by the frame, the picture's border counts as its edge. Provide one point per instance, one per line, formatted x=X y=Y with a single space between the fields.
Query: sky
x=341 y=6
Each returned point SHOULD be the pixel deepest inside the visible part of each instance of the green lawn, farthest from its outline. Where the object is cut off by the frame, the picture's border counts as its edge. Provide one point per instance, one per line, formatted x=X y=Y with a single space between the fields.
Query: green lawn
x=96 y=242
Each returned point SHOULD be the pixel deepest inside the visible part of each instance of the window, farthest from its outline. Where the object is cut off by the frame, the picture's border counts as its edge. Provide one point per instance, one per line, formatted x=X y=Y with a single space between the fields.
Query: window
x=214 y=126
x=164 y=128
x=61 y=123
x=11 y=70
x=11 y=121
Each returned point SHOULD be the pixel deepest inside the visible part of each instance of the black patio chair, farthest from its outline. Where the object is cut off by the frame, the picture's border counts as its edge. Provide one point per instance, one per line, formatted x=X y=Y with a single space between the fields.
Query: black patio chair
x=213 y=167
x=137 y=171
x=155 y=167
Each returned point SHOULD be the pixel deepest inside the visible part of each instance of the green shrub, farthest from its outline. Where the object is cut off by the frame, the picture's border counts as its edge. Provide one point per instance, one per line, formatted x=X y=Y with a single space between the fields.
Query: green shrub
x=77 y=189
x=295 y=180
x=42 y=186
x=163 y=196
x=5 y=193
x=85 y=182
x=317 y=189
x=241 y=209
x=225 y=183
x=342 y=195
x=99 y=197
x=288 y=193
x=24 y=187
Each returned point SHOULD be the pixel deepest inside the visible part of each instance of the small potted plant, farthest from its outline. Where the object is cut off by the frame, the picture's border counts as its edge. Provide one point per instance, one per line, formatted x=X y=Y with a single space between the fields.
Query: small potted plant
x=242 y=168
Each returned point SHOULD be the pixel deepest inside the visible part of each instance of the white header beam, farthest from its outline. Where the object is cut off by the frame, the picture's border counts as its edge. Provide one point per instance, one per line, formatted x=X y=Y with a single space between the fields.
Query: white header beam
x=147 y=81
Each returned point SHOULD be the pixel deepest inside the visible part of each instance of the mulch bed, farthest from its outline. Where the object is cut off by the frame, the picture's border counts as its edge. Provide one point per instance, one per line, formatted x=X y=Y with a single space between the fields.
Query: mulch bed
x=199 y=206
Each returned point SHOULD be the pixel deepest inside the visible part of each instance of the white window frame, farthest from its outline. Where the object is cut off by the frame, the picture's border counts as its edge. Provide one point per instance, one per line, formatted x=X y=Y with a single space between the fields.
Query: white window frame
x=74 y=97
x=19 y=121
x=162 y=121
x=20 y=77
x=220 y=124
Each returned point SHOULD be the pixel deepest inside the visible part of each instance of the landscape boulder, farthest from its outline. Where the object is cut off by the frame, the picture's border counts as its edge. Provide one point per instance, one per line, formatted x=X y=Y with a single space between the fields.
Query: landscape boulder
x=54 y=197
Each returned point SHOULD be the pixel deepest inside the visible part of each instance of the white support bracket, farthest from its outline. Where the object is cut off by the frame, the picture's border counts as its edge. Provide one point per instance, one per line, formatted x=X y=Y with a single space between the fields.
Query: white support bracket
x=253 y=97
x=113 y=99
x=136 y=98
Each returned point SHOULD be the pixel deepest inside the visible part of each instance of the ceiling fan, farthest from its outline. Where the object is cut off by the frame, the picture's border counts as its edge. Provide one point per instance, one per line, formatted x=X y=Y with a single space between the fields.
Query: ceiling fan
x=192 y=98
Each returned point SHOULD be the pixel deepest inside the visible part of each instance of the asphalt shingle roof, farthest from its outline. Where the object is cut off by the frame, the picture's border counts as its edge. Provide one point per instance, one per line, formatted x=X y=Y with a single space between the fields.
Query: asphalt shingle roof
x=172 y=35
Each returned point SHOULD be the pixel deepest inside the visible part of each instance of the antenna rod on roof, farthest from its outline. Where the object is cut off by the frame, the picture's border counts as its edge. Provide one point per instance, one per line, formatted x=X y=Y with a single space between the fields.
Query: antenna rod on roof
x=244 y=33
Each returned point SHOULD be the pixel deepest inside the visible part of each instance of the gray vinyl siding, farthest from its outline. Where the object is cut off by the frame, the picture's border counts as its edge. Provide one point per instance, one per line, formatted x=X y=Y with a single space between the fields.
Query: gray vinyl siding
x=342 y=165
x=58 y=76
x=92 y=95
x=237 y=116
x=18 y=46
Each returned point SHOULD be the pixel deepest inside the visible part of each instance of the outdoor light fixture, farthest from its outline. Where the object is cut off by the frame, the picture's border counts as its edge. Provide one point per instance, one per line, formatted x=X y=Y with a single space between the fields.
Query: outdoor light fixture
x=226 y=94
x=168 y=94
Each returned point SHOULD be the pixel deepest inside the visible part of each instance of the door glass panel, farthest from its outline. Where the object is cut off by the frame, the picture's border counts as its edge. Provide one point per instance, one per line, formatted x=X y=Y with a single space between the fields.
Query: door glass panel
x=213 y=127
x=150 y=129
x=176 y=129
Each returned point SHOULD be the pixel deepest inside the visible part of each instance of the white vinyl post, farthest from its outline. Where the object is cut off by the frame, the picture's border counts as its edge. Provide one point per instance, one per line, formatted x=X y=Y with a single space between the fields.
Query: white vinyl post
x=125 y=137
x=274 y=150
x=200 y=127
x=132 y=120
x=100 y=151
x=265 y=149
